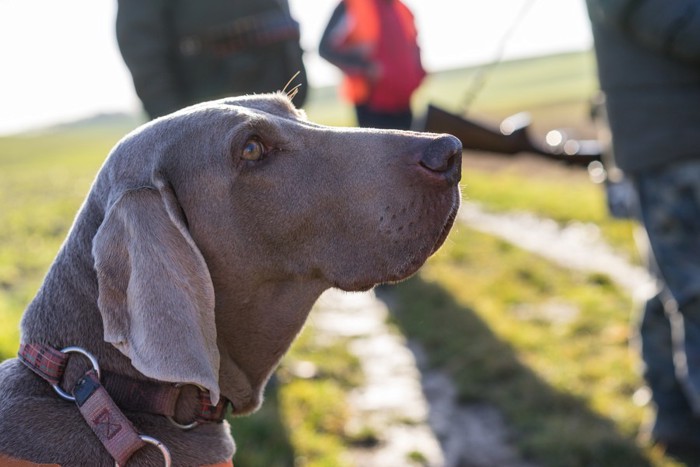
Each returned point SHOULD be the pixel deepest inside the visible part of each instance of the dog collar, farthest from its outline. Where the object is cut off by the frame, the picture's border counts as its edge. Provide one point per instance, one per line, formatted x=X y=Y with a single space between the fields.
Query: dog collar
x=130 y=394
x=7 y=461
x=101 y=404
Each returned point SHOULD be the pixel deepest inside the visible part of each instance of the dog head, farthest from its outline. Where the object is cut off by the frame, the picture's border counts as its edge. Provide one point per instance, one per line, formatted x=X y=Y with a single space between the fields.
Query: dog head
x=225 y=221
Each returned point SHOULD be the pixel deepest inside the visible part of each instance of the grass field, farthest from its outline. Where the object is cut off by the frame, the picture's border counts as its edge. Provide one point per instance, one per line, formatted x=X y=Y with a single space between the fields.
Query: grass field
x=549 y=347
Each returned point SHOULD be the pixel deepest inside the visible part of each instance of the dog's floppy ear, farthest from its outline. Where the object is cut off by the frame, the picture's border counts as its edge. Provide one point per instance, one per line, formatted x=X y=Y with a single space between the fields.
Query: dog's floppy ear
x=156 y=296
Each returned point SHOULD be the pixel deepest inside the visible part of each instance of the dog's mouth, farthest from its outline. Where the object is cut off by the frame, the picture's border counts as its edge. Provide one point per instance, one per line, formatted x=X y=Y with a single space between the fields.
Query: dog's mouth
x=451 y=218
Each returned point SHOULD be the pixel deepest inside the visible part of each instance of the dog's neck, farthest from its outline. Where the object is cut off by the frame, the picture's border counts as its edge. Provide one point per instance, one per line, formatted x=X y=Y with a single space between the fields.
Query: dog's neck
x=256 y=326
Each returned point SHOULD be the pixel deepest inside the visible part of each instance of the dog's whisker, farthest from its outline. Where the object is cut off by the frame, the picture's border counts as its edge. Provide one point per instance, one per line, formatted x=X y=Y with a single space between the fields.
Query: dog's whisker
x=295 y=89
x=293 y=92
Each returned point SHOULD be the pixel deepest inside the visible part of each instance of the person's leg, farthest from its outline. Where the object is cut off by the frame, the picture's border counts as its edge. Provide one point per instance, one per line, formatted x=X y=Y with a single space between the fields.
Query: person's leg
x=687 y=351
x=673 y=419
x=402 y=120
x=365 y=117
x=368 y=118
x=670 y=204
x=670 y=329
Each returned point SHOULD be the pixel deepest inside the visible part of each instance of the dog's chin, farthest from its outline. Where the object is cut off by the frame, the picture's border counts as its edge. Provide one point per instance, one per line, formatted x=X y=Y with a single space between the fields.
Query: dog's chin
x=364 y=283
x=408 y=268
x=356 y=288
x=403 y=272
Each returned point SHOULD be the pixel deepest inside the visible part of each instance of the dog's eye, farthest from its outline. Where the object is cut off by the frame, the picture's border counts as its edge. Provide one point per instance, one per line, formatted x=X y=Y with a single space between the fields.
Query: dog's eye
x=253 y=150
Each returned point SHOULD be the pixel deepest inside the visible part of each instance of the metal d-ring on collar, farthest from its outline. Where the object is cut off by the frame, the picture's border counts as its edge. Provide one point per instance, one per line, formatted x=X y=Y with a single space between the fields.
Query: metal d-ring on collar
x=93 y=362
x=187 y=426
x=161 y=447
x=95 y=365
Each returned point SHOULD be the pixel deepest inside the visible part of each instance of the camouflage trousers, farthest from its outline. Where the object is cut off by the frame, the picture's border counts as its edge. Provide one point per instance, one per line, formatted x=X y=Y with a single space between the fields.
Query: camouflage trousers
x=669 y=203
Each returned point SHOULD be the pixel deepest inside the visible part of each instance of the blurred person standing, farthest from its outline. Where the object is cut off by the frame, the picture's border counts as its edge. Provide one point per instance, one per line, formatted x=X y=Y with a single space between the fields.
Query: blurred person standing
x=181 y=52
x=374 y=43
x=648 y=55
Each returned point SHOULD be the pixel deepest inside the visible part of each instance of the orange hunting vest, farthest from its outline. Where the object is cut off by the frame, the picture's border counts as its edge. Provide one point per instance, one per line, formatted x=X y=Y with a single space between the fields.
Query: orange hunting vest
x=365 y=31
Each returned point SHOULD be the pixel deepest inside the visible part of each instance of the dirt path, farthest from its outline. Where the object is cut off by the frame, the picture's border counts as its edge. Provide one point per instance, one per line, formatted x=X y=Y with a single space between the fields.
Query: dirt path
x=411 y=408
x=577 y=246
x=391 y=403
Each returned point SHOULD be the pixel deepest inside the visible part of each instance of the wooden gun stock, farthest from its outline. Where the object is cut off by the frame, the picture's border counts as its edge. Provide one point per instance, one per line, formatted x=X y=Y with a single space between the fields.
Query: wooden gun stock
x=480 y=137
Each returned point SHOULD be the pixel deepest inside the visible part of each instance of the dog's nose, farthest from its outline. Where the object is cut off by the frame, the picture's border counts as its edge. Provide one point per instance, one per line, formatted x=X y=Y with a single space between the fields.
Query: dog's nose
x=444 y=156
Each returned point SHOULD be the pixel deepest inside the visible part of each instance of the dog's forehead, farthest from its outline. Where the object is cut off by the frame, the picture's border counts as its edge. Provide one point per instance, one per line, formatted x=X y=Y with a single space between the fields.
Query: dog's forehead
x=217 y=115
x=275 y=104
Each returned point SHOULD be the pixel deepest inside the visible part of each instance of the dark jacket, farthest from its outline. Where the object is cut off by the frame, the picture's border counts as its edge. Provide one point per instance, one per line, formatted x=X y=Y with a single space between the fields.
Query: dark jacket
x=181 y=52
x=648 y=54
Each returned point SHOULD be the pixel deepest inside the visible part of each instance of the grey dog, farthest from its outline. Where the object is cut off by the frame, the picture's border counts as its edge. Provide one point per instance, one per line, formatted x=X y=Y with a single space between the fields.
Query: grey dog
x=195 y=259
